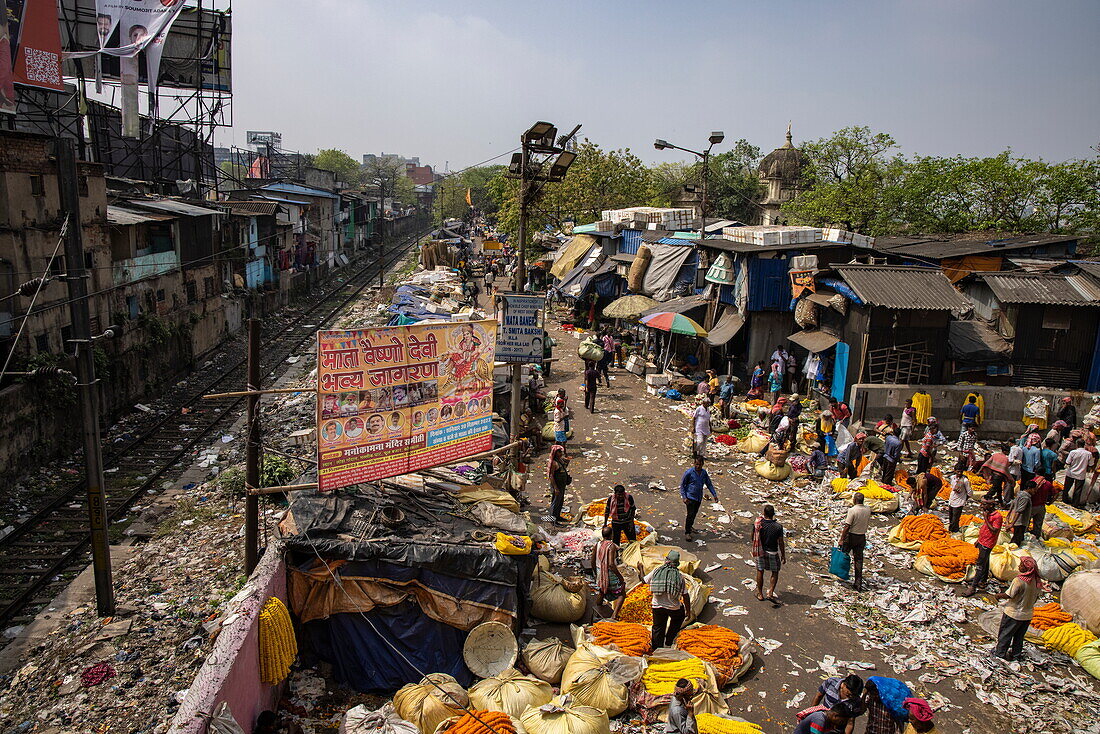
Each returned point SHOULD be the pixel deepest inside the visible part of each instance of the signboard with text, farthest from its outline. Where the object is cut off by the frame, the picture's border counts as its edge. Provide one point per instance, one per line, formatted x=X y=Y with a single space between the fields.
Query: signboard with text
x=396 y=399
x=520 y=338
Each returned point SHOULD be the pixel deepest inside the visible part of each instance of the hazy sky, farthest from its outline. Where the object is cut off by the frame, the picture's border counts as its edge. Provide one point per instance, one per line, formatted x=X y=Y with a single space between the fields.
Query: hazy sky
x=458 y=81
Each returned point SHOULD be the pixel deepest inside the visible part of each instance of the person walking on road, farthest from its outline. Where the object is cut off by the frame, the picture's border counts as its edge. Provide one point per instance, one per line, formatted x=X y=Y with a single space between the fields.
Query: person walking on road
x=692 y=484
x=725 y=396
x=1019 y=598
x=670 y=601
x=769 y=550
x=701 y=426
x=619 y=511
x=609 y=580
x=591 y=382
x=853 y=537
x=987 y=539
x=908 y=422
x=956 y=501
x=557 y=471
x=561 y=424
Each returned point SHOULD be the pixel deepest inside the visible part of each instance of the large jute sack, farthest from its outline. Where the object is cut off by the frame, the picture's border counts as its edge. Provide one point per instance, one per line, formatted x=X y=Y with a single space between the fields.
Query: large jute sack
x=510 y=692
x=1081 y=597
x=563 y=715
x=1054 y=565
x=598 y=677
x=546 y=659
x=776 y=455
x=636 y=275
x=590 y=351
x=772 y=472
x=1088 y=656
x=1056 y=527
x=555 y=599
x=752 y=443
x=424 y=705
x=654 y=555
x=548 y=431
x=1004 y=564
x=361 y=720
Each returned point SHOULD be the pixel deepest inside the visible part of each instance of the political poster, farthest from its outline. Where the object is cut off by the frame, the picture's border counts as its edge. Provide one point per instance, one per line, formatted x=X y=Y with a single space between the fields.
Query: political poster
x=395 y=399
x=520 y=337
x=128 y=27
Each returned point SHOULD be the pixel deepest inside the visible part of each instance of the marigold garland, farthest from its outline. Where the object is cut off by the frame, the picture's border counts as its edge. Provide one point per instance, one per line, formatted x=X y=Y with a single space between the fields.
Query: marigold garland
x=628 y=637
x=717 y=645
x=949 y=556
x=1049 y=616
x=638 y=605
x=495 y=722
x=660 y=679
x=713 y=724
x=922 y=527
x=1067 y=638
x=278 y=645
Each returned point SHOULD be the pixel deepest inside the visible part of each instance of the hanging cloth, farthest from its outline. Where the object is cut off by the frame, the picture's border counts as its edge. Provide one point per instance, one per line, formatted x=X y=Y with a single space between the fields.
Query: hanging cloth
x=922 y=401
x=980 y=402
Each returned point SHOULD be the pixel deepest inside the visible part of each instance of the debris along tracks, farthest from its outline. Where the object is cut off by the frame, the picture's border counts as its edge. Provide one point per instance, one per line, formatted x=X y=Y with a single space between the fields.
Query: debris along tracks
x=54 y=540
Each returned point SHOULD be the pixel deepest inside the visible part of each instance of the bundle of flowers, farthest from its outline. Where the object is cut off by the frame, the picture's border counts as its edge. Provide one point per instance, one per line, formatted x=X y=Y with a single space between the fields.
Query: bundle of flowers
x=1049 y=616
x=717 y=645
x=923 y=527
x=949 y=556
x=628 y=637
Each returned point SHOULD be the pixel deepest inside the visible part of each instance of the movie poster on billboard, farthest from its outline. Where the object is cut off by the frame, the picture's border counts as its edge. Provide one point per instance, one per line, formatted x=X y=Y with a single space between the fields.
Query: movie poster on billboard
x=395 y=399
x=135 y=26
x=521 y=336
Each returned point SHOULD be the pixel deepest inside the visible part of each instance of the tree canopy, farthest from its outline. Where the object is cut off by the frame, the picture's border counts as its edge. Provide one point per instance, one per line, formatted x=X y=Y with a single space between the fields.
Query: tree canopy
x=347 y=168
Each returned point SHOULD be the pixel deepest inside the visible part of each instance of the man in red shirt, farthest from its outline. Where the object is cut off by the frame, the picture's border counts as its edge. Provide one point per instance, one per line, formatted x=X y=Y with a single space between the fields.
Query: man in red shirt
x=987 y=538
x=842 y=414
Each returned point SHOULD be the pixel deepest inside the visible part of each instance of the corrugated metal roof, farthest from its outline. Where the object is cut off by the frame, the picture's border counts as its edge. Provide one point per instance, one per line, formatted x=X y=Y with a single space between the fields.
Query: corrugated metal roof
x=901 y=287
x=1092 y=267
x=293 y=188
x=173 y=206
x=1046 y=289
x=674 y=240
x=122 y=216
x=630 y=241
x=961 y=246
x=253 y=208
x=296 y=202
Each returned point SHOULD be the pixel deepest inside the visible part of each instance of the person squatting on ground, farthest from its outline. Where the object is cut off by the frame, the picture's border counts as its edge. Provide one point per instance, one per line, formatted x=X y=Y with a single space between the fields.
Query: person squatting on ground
x=769 y=550
x=681 y=709
x=670 y=600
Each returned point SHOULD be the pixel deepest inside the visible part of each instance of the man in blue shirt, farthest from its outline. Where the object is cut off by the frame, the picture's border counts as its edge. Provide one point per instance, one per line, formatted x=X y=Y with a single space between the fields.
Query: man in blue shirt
x=970 y=412
x=691 y=492
x=1030 y=463
x=1047 y=457
x=891 y=455
x=725 y=395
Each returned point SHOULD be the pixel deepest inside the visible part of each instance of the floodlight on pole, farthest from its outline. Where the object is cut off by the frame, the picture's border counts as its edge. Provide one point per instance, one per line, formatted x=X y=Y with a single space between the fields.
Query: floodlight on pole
x=561 y=165
x=717 y=137
x=661 y=144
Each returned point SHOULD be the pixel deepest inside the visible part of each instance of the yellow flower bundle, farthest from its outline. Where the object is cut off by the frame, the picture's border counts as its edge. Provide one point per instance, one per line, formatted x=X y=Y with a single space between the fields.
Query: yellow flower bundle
x=638 y=606
x=713 y=724
x=977 y=482
x=922 y=527
x=1067 y=638
x=757 y=403
x=630 y=638
x=949 y=557
x=596 y=509
x=278 y=645
x=717 y=645
x=660 y=679
x=496 y=722
x=1049 y=616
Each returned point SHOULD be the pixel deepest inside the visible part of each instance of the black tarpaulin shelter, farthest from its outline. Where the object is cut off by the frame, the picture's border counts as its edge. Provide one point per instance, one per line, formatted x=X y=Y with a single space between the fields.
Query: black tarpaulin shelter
x=387 y=580
x=976 y=343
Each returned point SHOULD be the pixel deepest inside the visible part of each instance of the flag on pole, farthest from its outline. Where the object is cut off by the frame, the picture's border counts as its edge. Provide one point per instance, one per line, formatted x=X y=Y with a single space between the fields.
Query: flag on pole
x=469 y=198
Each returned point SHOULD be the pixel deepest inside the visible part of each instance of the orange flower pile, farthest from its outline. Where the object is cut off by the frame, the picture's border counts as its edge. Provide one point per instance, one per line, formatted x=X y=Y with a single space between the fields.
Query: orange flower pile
x=965 y=520
x=949 y=557
x=901 y=478
x=923 y=527
x=498 y=723
x=596 y=508
x=1049 y=616
x=630 y=638
x=638 y=605
x=717 y=645
x=758 y=403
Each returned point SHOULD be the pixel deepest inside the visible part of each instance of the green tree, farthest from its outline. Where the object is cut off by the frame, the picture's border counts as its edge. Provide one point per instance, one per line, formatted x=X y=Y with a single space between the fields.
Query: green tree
x=735 y=189
x=667 y=180
x=347 y=168
x=848 y=180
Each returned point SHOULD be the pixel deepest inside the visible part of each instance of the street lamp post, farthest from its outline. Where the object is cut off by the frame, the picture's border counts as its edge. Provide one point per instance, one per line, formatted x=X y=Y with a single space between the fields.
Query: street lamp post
x=715 y=138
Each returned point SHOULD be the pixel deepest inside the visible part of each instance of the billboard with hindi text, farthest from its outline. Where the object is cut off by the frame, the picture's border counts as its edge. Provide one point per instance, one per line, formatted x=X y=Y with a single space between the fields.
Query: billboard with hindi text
x=396 y=399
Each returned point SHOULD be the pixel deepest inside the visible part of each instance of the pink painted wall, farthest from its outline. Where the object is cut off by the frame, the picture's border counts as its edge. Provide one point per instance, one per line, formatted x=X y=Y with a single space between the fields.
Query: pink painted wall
x=231 y=672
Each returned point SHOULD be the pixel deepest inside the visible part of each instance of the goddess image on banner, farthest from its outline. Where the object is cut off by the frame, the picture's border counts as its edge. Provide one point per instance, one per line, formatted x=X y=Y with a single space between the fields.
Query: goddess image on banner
x=395 y=399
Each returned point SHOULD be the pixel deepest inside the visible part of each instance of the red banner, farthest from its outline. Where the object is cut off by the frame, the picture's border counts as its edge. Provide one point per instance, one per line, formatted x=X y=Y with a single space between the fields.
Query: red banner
x=38 y=56
x=801 y=282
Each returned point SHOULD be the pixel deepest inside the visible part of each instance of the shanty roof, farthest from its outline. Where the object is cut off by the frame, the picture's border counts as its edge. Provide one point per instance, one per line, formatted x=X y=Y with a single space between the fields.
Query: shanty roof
x=902 y=287
x=1066 y=290
x=947 y=247
x=813 y=340
x=122 y=216
x=1091 y=267
x=253 y=208
x=726 y=328
x=678 y=305
x=173 y=206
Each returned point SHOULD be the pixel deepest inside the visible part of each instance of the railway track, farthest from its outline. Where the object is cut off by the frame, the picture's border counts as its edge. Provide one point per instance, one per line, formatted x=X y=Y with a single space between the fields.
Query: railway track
x=45 y=550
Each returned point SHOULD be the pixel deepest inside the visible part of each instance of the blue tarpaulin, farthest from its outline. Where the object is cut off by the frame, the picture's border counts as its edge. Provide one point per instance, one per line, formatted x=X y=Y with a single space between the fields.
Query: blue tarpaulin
x=356 y=647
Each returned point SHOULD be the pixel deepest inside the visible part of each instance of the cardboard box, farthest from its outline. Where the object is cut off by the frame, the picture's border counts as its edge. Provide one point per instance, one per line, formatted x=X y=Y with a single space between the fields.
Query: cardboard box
x=656 y=380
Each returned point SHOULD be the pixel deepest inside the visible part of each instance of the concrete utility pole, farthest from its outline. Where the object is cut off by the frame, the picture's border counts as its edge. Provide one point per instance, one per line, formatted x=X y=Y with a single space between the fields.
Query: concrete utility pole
x=252 y=451
x=77 y=278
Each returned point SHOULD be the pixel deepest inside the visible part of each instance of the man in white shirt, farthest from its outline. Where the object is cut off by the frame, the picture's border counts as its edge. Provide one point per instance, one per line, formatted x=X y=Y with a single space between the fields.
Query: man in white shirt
x=701 y=421
x=853 y=538
x=1078 y=463
x=960 y=494
x=1015 y=464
